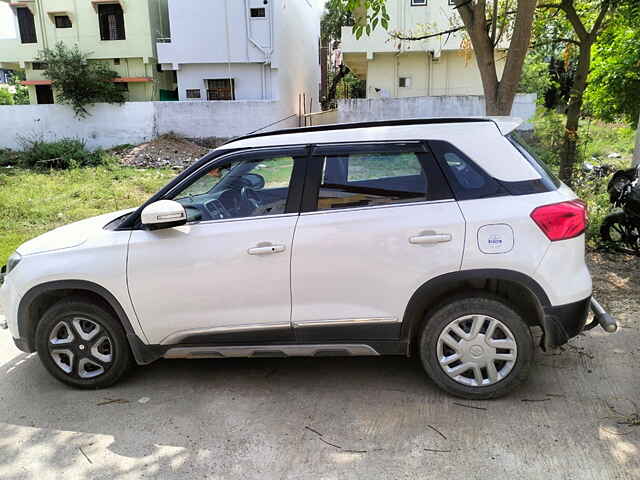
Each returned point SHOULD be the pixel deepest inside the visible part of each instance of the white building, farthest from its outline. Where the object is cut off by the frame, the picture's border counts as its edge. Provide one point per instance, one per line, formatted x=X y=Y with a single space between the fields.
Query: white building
x=441 y=65
x=244 y=50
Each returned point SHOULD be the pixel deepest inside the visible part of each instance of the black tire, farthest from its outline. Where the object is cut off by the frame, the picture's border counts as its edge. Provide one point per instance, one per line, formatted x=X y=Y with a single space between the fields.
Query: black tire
x=483 y=306
x=613 y=228
x=54 y=327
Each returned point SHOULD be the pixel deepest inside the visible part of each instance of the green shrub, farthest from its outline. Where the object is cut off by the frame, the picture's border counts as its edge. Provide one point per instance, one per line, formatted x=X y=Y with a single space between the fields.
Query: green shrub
x=60 y=155
x=9 y=157
x=6 y=97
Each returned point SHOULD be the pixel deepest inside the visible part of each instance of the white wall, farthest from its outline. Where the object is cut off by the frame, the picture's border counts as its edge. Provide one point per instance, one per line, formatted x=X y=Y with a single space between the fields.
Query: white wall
x=200 y=30
x=138 y=122
x=7 y=22
x=253 y=81
x=371 y=109
x=296 y=56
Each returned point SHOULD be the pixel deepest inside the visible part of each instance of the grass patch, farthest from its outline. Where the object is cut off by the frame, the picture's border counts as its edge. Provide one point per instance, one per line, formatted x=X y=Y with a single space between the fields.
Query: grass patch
x=32 y=203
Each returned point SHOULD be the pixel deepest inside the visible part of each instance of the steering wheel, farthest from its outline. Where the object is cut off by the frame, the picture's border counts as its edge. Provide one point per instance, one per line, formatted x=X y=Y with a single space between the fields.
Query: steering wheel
x=216 y=210
x=250 y=197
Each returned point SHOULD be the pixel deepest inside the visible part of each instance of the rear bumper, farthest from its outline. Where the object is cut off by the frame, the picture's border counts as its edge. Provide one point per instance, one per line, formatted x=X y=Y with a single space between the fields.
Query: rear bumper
x=563 y=322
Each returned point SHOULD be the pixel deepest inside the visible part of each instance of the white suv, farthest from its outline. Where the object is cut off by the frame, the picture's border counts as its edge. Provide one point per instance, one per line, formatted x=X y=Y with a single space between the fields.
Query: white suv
x=443 y=238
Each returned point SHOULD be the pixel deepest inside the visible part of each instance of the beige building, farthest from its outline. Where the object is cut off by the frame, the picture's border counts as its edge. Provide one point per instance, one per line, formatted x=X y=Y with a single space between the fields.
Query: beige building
x=435 y=66
x=122 y=33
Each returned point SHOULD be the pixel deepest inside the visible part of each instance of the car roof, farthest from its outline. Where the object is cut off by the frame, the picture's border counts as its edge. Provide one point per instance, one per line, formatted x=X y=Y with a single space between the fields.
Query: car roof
x=276 y=137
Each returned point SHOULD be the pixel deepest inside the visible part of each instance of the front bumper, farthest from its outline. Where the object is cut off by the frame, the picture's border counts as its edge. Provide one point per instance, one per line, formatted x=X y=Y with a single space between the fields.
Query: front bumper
x=564 y=322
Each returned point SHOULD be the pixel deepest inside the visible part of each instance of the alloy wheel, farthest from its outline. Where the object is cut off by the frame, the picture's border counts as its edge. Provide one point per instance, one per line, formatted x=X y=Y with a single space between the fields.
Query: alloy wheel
x=81 y=347
x=477 y=350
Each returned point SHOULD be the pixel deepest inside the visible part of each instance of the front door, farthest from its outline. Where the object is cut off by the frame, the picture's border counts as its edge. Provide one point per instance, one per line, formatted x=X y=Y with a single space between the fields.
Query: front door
x=44 y=94
x=382 y=223
x=225 y=276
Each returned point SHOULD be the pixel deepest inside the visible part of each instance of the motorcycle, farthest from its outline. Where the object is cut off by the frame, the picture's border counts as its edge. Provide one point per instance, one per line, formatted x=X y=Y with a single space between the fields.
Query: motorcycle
x=622 y=227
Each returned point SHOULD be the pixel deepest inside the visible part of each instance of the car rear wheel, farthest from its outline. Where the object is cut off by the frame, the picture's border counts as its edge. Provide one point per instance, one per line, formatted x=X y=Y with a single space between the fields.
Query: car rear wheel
x=82 y=344
x=476 y=348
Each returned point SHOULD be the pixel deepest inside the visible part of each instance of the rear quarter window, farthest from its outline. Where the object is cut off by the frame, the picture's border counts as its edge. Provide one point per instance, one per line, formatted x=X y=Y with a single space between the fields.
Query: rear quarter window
x=549 y=180
x=467 y=180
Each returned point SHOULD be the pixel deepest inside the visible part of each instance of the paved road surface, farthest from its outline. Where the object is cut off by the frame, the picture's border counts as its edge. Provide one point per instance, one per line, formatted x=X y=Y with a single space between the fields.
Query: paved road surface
x=323 y=418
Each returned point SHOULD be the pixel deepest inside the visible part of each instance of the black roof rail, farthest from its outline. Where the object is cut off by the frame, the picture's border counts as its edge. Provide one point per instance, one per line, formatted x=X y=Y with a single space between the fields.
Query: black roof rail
x=378 y=123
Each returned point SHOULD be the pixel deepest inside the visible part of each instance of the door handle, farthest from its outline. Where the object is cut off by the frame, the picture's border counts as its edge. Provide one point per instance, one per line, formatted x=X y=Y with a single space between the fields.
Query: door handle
x=430 y=239
x=266 y=249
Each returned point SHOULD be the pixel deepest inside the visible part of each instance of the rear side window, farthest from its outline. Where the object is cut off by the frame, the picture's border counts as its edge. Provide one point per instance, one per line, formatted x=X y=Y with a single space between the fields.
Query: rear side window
x=372 y=178
x=550 y=181
x=467 y=180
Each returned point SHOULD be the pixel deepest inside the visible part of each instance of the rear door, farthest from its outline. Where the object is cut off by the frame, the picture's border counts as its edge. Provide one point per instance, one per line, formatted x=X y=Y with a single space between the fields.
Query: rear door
x=378 y=221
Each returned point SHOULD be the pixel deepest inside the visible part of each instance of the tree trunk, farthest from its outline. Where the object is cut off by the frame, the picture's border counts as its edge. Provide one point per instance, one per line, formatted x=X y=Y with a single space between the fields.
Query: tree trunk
x=331 y=94
x=569 y=153
x=499 y=94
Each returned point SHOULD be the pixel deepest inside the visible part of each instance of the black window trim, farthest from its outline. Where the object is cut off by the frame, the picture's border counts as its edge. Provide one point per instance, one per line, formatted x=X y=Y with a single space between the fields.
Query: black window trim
x=301 y=198
x=314 y=171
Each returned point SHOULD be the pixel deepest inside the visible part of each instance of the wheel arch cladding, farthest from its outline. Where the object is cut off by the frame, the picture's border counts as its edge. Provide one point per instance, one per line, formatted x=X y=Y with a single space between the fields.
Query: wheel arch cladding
x=521 y=291
x=41 y=297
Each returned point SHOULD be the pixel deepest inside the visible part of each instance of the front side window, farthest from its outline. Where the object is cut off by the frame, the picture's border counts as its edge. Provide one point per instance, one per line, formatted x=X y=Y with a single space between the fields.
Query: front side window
x=245 y=188
x=111 y=22
x=369 y=179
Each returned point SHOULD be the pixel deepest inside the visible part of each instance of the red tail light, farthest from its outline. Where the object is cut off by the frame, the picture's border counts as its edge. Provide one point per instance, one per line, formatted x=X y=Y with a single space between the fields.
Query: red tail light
x=561 y=221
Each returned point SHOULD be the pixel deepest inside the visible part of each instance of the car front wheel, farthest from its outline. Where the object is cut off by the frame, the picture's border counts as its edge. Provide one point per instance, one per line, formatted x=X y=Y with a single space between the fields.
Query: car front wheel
x=476 y=348
x=82 y=344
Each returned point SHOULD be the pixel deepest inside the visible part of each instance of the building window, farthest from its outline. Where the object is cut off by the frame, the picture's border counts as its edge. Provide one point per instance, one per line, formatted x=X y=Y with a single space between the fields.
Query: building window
x=419 y=3
x=221 y=89
x=27 y=25
x=193 y=93
x=62 y=21
x=111 y=20
x=404 y=82
x=122 y=86
x=39 y=66
x=116 y=61
x=258 y=13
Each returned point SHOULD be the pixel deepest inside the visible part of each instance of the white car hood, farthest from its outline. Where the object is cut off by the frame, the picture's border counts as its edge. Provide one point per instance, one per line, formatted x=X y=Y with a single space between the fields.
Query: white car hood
x=68 y=236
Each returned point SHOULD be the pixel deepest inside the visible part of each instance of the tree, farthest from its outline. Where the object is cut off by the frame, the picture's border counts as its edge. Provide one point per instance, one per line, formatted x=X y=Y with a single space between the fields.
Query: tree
x=613 y=91
x=6 y=97
x=482 y=20
x=331 y=32
x=536 y=77
x=78 y=81
x=586 y=20
x=21 y=95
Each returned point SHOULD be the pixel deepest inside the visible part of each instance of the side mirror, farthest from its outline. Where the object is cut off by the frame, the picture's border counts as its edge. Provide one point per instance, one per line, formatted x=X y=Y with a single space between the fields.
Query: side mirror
x=163 y=214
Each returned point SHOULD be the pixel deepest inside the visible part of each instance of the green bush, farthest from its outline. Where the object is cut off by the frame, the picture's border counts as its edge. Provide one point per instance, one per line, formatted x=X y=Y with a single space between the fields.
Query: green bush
x=6 y=97
x=60 y=155
x=8 y=157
